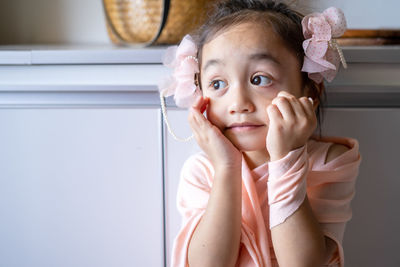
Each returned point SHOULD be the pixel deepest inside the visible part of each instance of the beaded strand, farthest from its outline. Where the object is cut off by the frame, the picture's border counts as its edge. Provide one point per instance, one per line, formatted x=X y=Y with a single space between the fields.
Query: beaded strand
x=164 y=113
x=334 y=45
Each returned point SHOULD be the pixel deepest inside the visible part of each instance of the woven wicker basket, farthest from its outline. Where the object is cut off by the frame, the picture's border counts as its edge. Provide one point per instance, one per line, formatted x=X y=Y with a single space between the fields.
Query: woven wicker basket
x=146 y=22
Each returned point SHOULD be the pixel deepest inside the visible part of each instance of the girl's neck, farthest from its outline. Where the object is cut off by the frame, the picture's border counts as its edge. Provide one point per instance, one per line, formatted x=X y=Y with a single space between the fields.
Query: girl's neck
x=256 y=158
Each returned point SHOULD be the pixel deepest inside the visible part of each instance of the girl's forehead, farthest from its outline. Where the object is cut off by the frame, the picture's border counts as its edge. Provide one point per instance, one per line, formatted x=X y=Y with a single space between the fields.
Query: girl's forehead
x=243 y=40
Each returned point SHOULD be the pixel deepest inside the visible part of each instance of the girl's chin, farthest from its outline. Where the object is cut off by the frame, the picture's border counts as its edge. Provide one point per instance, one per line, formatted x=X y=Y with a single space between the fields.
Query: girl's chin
x=248 y=144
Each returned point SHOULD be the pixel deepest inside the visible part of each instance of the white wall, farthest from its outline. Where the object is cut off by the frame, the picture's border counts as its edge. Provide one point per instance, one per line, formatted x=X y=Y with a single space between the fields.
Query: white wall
x=77 y=21
x=362 y=14
x=52 y=21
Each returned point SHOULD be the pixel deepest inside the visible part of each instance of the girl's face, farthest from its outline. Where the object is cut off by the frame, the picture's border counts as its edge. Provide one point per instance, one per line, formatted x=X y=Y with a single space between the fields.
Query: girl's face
x=243 y=69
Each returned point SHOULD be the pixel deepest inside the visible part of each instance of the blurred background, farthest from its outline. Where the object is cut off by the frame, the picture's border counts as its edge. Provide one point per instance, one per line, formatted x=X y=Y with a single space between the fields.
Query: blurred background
x=77 y=21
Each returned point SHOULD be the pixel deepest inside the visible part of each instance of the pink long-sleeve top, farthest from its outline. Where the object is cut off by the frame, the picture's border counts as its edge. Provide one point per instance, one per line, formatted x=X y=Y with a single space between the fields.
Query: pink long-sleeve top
x=330 y=187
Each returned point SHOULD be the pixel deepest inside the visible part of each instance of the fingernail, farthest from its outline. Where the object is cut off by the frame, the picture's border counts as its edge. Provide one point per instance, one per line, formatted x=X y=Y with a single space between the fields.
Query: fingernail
x=311 y=100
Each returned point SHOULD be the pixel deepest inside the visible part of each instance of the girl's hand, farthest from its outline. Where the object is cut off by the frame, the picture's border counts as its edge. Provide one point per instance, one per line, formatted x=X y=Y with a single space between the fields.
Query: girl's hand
x=222 y=153
x=291 y=123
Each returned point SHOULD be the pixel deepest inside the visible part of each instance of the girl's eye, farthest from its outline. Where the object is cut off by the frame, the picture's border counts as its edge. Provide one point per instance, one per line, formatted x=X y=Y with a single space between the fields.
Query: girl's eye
x=261 y=80
x=218 y=84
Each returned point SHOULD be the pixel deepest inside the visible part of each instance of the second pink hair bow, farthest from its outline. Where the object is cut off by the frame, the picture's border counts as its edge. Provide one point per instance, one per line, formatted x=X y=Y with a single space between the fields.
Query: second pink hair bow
x=322 y=54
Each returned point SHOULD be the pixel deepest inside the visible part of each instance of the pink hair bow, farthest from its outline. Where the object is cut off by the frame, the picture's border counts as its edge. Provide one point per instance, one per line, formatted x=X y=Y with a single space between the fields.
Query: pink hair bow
x=322 y=54
x=182 y=59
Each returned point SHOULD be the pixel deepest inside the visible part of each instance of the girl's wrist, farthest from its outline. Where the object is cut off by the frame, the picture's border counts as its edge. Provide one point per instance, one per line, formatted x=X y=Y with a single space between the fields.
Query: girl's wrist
x=278 y=155
x=283 y=153
x=228 y=170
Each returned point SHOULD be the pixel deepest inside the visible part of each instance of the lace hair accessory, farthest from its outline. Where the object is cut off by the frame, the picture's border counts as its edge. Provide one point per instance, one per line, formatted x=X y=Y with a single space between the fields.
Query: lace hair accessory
x=181 y=83
x=322 y=53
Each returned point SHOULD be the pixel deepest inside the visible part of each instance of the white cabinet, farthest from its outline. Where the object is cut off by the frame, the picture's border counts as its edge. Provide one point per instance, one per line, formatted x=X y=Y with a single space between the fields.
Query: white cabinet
x=81 y=187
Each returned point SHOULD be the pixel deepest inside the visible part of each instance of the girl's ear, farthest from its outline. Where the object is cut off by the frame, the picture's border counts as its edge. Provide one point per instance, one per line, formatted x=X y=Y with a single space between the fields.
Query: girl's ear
x=196 y=79
x=318 y=94
x=321 y=88
x=315 y=91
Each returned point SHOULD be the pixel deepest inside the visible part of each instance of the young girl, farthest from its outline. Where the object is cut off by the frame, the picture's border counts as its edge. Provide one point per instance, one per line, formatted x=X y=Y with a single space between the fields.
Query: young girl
x=265 y=191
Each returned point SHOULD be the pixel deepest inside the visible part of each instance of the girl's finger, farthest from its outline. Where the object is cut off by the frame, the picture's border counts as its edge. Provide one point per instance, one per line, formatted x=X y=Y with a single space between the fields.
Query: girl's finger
x=197 y=103
x=273 y=113
x=307 y=105
x=311 y=101
x=196 y=124
x=285 y=94
x=205 y=104
x=195 y=117
x=284 y=107
x=192 y=119
x=196 y=108
x=200 y=119
x=298 y=107
x=200 y=104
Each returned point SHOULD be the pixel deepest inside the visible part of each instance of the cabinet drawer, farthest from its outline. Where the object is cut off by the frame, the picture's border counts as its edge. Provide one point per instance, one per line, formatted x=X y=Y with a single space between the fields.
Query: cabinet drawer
x=81 y=187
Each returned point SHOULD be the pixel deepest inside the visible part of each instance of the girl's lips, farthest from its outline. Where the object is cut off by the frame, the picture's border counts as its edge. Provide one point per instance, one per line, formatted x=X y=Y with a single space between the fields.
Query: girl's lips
x=243 y=127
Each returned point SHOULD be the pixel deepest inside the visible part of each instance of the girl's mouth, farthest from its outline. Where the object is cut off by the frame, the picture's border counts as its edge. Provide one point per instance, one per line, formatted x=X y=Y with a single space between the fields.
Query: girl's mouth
x=244 y=127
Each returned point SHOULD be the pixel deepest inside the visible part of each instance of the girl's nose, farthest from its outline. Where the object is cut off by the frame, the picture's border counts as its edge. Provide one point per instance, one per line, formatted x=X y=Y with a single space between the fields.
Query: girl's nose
x=241 y=101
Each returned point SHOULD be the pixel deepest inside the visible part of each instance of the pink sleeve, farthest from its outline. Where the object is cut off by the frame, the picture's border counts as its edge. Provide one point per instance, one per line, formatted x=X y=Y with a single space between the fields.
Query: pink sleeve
x=287 y=185
x=330 y=189
x=192 y=198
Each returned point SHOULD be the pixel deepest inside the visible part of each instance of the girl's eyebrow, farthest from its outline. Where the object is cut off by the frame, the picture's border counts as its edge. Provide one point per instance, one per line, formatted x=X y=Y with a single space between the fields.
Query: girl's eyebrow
x=212 y=62
x=257 y=56
x=264 y=56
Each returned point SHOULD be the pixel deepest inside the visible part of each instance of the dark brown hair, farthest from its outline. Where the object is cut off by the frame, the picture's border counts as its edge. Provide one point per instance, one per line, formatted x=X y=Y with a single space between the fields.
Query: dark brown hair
x=284 y=21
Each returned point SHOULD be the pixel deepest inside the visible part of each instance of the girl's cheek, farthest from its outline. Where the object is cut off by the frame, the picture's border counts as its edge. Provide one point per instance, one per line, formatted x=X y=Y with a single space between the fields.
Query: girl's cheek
x=210 y=111
x=270 y=93
x=264 y=106
x=205 y=92
x=213 y=113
